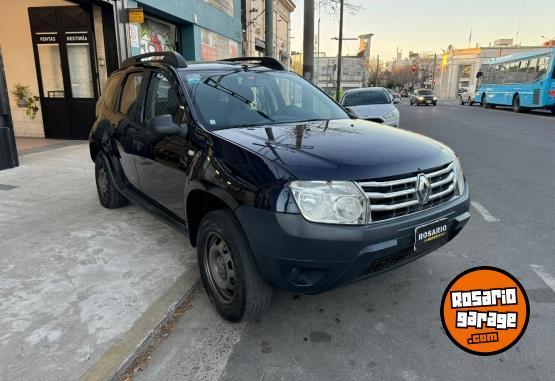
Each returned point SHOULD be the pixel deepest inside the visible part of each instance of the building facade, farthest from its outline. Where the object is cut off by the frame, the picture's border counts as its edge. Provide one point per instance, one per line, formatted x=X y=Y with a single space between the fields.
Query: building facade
x=62 y=52
x=254 y=30
x=325 y=72
x=458 y=67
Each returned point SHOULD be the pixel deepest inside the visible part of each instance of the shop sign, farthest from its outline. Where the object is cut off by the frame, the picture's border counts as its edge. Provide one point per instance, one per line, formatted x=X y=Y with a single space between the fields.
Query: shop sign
x=77 y=37
x=47 y=39
x=136 y=15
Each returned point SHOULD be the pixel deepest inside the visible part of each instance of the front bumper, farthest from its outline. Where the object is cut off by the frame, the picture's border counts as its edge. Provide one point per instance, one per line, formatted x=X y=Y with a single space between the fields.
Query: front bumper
x=426 y=101
x=300 y=256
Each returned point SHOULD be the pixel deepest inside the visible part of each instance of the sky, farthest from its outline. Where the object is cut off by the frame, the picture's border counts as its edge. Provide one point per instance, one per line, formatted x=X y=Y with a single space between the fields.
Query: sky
x=430 y=25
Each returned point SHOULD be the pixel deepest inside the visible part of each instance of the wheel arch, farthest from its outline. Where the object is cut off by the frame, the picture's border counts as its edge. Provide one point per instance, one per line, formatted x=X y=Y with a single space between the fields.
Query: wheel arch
x=201 y=200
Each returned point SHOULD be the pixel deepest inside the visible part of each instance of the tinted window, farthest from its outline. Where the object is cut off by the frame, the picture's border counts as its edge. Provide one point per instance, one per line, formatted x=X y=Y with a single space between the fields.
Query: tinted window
x=372 y=97
x=111 y=89
x=424 y=92
x=226 y=98
x=130 y=93
x=161 y=98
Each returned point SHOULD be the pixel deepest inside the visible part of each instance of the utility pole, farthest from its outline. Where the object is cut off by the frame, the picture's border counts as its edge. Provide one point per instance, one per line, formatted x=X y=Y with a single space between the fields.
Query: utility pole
x=434 y=73
x=269 y=27
x=308 y=40
x=377 y=70
x=339 y=51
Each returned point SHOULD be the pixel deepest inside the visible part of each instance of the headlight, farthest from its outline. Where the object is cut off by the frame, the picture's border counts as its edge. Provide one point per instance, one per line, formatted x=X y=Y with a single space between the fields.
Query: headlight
x=459 y=178
x=435 y=98
x=331 y=202
x=391 y=114
x=420 y=98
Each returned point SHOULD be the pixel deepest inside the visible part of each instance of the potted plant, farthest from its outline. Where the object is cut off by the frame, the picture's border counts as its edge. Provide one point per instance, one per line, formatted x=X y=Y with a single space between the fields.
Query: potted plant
x=20 y=93
x=32 y=107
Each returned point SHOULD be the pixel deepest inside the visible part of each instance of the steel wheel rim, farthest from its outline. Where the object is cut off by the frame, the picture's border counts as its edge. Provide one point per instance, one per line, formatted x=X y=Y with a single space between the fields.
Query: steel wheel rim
x=219 y=267
x=103 y=181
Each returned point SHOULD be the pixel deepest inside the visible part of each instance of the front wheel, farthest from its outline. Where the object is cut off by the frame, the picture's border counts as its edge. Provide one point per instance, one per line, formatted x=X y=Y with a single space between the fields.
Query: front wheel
x=228 y=272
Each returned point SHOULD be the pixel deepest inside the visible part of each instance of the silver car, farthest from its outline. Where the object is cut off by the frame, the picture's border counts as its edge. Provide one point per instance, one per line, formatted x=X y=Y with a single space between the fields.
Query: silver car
x=373 y=104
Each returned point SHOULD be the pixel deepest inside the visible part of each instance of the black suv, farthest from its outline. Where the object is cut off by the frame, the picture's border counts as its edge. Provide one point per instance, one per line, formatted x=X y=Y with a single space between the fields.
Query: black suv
x=273 y=182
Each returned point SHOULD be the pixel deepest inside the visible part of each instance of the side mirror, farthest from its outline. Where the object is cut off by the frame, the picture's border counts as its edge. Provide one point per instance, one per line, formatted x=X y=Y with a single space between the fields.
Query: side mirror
x=479 y=74
x=164 y=125
x=396 y=100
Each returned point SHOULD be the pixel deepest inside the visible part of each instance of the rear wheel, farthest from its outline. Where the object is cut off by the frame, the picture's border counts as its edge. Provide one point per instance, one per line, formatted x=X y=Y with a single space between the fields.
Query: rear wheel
x=553 y=111
x=516 y=104
x=228 y=272
x=108 y=194
x=461 y=100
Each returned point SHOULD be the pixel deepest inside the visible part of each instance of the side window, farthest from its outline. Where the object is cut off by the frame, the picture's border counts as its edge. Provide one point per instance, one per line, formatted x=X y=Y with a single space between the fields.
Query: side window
x=532 y=70
x=521 y=75
x=161 y=98
x=111 y=89
x=128 y=103
x=543 y=63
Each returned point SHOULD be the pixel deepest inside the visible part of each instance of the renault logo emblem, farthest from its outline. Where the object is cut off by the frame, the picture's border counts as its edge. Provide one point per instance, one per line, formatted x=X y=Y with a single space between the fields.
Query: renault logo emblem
x=423 y=188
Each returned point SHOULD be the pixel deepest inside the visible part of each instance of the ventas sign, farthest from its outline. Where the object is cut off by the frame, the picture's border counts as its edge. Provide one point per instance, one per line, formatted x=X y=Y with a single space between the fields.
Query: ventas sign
x=136 y=15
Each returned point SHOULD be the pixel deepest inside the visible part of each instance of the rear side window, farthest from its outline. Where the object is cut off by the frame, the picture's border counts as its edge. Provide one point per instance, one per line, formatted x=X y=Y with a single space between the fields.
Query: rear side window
x=128 y=103
x=110 y=90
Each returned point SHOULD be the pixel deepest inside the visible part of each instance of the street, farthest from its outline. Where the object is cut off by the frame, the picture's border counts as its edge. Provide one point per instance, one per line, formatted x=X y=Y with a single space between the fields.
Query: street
x=388 y=327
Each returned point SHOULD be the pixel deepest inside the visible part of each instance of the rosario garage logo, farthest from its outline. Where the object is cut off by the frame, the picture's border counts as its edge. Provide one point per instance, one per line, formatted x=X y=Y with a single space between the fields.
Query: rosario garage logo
x=485 y=311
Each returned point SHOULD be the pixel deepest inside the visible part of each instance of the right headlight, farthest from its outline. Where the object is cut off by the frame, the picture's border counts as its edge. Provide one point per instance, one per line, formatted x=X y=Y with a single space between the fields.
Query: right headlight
x=459 y=178
x=331 y=202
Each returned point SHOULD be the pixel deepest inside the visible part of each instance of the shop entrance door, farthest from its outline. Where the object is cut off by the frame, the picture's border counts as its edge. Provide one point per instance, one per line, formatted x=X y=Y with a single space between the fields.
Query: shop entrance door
x=63 y=44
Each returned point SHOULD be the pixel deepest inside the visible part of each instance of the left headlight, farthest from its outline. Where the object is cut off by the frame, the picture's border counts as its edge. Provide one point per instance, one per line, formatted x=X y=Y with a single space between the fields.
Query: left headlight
x=459 y=178
x=331 y=202
x=391 y=114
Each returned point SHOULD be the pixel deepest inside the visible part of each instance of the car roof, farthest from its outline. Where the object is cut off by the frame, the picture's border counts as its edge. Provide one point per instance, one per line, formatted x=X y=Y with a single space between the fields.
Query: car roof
x=365 y=89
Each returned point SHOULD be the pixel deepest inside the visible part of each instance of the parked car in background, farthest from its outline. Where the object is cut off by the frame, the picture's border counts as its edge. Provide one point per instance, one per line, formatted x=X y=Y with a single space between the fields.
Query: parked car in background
x=404 y=93
x=423 y=97
x=394 y=95
x=462 y=90
x=467 y=96
x=275 y=188
x=373 y=104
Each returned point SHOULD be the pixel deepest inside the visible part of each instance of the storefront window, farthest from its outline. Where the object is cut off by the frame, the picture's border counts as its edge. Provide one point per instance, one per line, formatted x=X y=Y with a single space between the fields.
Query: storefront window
x=216 y=47
x=50 y=65
x=78 y=56
x=223 y=5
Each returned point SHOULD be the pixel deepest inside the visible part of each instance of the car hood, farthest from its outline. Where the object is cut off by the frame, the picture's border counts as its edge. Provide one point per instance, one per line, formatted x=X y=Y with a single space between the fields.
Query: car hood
x=372 y=111
x=341 y=149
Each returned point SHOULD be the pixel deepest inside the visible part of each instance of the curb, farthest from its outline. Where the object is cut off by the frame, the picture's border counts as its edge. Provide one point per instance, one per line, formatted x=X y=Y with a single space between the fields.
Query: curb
x=114 y=362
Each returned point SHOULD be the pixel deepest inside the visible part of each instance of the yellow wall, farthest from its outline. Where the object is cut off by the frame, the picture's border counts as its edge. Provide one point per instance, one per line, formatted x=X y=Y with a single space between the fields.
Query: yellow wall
x=19 y=62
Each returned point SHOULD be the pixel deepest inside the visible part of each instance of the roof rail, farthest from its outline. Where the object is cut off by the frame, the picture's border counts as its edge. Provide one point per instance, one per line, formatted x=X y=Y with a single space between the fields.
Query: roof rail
x=169 y=58
x=268 y=62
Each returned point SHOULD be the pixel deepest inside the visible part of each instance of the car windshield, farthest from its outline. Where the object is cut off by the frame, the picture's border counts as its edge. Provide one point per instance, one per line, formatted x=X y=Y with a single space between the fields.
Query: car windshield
x=361 y=98
x=425 y=92
x=239 y=98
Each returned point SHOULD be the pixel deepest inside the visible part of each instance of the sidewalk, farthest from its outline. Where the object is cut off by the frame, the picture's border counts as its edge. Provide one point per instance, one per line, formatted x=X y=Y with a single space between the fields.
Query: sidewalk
x=80 y=286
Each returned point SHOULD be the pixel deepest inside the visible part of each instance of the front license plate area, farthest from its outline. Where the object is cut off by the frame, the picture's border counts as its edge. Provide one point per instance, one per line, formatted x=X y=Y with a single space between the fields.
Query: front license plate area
x=431 y=235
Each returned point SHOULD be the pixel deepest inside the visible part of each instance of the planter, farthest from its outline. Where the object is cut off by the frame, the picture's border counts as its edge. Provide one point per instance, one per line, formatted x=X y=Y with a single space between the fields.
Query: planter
x=22 y=102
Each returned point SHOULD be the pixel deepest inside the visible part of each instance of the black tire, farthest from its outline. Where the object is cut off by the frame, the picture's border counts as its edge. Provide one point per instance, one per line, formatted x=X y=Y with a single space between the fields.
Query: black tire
x=410 y=102
x=435 y=104
x=108 y=194
x=470 y=102
x=553 y=111
x=516 y=104
x=250 y=295
x=461 y=100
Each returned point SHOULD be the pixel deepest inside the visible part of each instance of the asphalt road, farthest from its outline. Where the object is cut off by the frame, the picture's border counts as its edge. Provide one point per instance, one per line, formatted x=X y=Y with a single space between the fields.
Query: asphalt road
x=388 y=327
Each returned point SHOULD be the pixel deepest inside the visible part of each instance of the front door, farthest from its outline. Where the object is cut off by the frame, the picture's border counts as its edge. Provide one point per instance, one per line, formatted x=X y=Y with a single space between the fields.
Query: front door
x=63 y=43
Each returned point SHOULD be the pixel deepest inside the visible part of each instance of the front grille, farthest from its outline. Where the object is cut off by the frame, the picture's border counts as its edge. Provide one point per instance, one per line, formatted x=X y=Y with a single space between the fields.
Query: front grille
x=397 y=196
x=536 y=96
